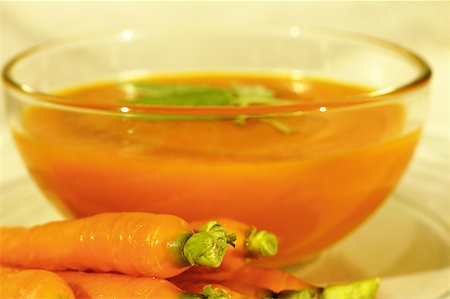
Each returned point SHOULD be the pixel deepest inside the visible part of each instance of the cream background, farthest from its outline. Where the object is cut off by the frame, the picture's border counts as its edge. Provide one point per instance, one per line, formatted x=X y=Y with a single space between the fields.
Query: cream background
x=421 y=26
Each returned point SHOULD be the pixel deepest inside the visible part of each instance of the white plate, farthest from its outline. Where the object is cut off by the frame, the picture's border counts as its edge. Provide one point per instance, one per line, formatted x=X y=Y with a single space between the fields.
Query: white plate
x=403 y=243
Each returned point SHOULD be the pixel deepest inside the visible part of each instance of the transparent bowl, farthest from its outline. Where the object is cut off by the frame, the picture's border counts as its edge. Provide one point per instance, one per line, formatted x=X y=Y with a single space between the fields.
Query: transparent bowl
x=343 y=156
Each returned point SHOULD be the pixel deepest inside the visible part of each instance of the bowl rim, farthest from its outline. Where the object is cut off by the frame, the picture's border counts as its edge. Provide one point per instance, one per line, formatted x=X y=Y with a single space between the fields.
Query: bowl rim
x=381 y=95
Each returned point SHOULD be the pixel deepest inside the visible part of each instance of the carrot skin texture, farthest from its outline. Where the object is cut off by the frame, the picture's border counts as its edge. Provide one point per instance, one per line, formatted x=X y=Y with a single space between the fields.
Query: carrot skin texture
x=131 y=243
x=109 y=285
x=31 y=283
x=272 y=279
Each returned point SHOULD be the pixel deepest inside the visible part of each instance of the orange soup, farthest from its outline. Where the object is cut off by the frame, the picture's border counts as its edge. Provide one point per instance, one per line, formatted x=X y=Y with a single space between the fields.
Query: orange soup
x=308 y=177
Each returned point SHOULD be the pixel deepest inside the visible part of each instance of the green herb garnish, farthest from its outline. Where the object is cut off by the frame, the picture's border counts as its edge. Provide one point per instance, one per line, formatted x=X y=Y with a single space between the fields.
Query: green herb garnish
x=193 y=95
x=179 y=95
x=196 y=95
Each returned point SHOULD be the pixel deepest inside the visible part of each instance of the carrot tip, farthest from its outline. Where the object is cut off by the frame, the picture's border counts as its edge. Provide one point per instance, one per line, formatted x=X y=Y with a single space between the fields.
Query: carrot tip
x=207 y=247
x=261 y=243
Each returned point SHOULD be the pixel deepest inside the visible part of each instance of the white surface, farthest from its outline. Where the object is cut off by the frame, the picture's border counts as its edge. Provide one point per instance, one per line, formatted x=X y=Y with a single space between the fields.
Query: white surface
x=420 y=26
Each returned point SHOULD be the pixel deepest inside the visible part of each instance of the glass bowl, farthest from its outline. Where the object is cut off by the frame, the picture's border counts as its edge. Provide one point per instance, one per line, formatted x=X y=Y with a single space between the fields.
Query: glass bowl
x=310 y=170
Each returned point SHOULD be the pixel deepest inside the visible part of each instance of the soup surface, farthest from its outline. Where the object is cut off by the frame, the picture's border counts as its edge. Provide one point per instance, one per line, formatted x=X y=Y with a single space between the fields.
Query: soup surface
x=310 y=176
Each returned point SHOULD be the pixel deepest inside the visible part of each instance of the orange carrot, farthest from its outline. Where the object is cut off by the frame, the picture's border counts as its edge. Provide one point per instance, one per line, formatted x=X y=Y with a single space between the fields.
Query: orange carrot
x=365 y=288
x=238 y=289
x=250 y=244
x=18 y=284
x=275 y=280
x=131 y=243
x=212 y=290
x=254 y=292
x=109 y=285
x=231 y=286
x=249 y=291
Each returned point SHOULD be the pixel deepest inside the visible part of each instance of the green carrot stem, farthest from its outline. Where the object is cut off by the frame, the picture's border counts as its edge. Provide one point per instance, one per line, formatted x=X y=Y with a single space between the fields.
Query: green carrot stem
x=261 y=243
x=215 y=293
x=363 y=289
x=207 y=247
x=208 y=293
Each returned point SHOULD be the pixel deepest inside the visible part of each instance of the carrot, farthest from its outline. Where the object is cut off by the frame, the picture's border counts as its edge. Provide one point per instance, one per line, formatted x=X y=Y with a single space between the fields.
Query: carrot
x=250 y=244
x=272 y=279
x=213 y=290
x=363 y=289
x=254 y=292
x=109 y=285
x=18 y=284
x=130 y=243
x=231 y=286
x=249 y=291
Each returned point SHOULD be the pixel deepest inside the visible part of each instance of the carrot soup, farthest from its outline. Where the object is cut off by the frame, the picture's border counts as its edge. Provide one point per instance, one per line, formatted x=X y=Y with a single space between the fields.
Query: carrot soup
x=308 y=177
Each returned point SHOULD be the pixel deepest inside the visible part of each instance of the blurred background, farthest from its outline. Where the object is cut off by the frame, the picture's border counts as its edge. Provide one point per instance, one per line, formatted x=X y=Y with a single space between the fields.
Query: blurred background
x=421 y=26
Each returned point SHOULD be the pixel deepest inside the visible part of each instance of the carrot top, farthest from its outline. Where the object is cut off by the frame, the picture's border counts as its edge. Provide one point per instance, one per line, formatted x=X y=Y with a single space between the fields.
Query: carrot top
x=215 y=293
x=261 y=243
x=209 y=292
x=362 y=289
x=208 y=245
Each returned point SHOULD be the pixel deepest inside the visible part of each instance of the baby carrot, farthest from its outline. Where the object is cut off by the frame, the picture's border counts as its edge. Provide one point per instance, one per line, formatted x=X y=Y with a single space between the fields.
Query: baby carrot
x=275 y=280
x=363 y=289
x=131 y=243
x=21 y=284
x=250 y=244
x=249 y=291
x=231 y=286
x=213 y=290
x=109 y=285
x=272 y=279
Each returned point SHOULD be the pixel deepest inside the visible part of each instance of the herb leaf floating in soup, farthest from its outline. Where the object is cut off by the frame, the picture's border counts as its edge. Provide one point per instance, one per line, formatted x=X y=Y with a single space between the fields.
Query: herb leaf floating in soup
x=197 y=95
x=181 y=94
